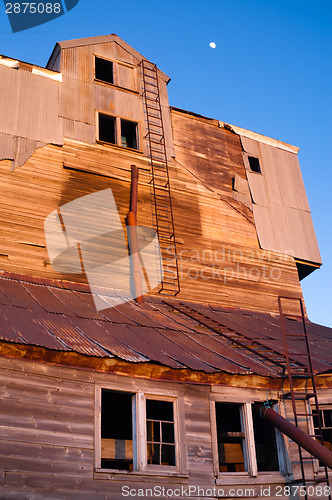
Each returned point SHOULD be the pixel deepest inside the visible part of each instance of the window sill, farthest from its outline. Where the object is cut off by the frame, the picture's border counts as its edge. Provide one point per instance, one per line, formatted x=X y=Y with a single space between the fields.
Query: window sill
x=123 y=148
x=109 y=84
x=111 y=473
x=273 y=477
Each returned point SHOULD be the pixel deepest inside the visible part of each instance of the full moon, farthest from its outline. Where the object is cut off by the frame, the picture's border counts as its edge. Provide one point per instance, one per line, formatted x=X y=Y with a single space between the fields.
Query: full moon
x=212 y=45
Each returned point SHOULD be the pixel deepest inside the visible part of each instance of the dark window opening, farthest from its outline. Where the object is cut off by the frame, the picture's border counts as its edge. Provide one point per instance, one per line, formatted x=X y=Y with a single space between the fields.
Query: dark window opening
x=107 y=128
x=129 y=134
x=160 y=432
x=116 y=430
x=265 y=444
x=104 y=70
x=326 y=423
x=230 y=437
x=254 y=164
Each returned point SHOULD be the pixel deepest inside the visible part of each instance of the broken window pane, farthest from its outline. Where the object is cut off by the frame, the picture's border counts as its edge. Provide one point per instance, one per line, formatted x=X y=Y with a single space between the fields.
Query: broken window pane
x=104 y=70
x=160 y=432
x=129 y=134
x=116 y=430
x=254 y=164
x=265 y=443
x=230 y=437
x=107 y=128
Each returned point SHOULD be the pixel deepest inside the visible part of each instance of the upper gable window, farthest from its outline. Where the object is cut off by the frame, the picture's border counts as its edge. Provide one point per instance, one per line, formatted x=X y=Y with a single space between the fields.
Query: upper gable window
x=254 y=164
x=104 y=70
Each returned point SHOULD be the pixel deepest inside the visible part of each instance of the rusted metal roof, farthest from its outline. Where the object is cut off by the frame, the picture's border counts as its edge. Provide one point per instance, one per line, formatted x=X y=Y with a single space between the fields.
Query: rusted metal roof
x=56 y=316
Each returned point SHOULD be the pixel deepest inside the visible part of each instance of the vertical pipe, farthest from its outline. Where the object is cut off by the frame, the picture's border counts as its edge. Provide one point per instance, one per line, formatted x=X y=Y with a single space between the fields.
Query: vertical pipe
x=131 y=221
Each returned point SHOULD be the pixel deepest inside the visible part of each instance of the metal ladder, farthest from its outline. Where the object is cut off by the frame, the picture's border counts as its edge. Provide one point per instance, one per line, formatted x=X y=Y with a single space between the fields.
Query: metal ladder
x=162 y=205
x=271 y=357
x=303 y=396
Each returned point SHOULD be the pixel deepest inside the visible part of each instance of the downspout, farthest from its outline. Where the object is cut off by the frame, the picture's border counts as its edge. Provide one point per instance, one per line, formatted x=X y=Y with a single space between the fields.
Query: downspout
x=131 y=221
x=301 y=438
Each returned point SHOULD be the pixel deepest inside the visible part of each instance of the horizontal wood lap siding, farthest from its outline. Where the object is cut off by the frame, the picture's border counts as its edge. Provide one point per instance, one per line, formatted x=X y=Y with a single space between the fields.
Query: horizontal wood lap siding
x=31 y=193
x=239 y=274
x=220 y=260
x=46 y=424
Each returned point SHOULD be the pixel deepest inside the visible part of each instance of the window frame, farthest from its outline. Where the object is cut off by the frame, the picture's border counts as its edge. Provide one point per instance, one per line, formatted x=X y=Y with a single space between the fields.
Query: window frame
x=105 y=82
x=249 y=450
x=247 y=163
x=116 y=74
x=322 y=406
x=117 y=133
x=140 y=465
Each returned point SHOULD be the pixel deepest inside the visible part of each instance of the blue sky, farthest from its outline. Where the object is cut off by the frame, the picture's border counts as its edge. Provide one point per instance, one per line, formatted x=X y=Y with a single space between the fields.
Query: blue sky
x=270 y=72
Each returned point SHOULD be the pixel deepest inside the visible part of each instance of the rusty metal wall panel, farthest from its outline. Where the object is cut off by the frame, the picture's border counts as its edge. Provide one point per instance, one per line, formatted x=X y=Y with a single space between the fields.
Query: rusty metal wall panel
x=24 y=148
x=281 y=209
x=264 y=227
x=79 y=131
x=37 y=102
x=7 y=146
x=282 y=229
x=269 y=167
x=257 y=188
x=250 y=146
x=30 y=113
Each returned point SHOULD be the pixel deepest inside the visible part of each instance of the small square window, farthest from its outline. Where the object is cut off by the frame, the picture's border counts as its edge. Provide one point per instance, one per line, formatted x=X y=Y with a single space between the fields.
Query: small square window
x=254 y=164
x=104 y=70
x=129 y=134
x=107 y=129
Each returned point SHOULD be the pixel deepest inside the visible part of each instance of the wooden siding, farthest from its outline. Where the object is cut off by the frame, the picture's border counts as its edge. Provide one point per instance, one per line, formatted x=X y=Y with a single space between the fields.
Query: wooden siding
x=220 y=260
x=47 y=433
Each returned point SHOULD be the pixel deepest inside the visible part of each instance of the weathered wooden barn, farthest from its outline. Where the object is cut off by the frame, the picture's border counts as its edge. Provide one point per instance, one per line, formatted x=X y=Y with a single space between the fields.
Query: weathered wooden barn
x=106 y=397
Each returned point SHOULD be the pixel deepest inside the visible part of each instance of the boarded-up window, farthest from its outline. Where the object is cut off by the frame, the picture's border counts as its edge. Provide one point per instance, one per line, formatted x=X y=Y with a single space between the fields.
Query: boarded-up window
x=126 y=76
x=104 y=70
x=265 y=444
x=160 y=430
x=231 y=437
x=116 y=430
x=129 y=134
x=107 y=128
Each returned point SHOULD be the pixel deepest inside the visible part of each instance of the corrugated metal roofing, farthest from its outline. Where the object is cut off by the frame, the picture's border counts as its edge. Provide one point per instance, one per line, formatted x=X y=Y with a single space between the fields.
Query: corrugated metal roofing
x=61 y=318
